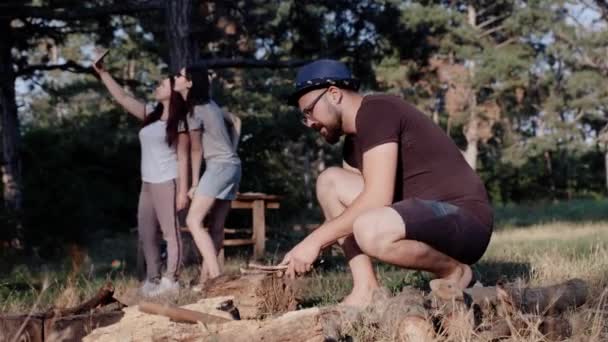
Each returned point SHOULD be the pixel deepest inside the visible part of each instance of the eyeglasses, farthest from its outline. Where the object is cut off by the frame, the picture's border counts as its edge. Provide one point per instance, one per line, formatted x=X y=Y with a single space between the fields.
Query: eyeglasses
x=307 y=111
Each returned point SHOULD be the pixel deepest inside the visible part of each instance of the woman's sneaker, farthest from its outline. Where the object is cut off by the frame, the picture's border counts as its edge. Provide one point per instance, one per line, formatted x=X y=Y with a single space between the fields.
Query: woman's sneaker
x=165 y=286
x=148 y=288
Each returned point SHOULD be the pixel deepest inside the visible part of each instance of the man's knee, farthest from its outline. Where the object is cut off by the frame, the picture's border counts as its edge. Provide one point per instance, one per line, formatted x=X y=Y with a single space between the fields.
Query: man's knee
x=366 y=232
x=376 y=230
x=326 y=182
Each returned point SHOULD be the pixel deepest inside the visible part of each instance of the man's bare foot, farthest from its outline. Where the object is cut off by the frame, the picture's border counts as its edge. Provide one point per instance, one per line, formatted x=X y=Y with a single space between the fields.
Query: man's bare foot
x=462 y=276
x=359 y=297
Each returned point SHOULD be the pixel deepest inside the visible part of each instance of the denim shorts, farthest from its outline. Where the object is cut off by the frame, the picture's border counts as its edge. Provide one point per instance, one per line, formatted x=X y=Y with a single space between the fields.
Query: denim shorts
x=220 y=180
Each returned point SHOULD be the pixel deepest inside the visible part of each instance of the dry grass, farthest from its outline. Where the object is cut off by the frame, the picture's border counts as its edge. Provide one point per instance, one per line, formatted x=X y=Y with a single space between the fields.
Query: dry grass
x=535 y=255
x=532 y=256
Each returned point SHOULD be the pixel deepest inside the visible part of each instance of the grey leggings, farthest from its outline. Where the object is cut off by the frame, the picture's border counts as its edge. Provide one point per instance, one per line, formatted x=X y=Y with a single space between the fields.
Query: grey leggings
x=157 y=207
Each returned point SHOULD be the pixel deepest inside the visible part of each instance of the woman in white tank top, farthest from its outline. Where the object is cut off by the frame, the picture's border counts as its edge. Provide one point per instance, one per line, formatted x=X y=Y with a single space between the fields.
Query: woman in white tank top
x=164 y=172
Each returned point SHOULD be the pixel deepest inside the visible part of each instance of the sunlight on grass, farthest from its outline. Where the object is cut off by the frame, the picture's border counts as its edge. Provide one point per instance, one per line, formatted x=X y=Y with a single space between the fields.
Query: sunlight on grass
x=535 y=255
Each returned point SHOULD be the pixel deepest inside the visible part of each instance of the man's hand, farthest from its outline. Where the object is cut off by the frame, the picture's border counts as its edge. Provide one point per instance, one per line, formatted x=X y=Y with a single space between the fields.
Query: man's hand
x=99 y=67
x=300 y=259
x=181 y=200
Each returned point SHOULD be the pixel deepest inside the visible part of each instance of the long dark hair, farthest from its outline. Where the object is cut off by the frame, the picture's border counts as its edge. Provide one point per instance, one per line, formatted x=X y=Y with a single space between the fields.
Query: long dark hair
x=199 y=92
x=177 y=113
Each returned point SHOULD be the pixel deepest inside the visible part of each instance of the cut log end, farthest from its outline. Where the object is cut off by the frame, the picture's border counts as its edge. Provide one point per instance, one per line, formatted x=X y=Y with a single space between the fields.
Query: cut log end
x=256 y=295
x=415 y=329
x=555 y=328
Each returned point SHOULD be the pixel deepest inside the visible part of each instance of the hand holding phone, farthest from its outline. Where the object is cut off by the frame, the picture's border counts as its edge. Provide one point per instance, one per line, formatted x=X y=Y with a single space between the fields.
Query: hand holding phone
x=98 y=63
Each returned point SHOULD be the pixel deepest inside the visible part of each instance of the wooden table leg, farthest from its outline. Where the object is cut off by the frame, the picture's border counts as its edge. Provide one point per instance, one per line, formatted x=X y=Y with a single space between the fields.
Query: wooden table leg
x=259 y=229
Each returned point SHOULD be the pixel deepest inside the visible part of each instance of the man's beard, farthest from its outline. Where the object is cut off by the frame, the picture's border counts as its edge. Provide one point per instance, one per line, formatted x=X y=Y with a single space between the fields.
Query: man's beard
x=333 y=136
x=335 y=131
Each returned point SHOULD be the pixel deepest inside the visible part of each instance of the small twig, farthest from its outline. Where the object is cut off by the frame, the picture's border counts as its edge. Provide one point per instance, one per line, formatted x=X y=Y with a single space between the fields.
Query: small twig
x=267 y=267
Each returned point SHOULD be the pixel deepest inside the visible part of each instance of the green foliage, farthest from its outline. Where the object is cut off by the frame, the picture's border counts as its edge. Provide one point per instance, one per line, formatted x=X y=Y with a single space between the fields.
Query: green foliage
x=80 y=175
x=81 y=155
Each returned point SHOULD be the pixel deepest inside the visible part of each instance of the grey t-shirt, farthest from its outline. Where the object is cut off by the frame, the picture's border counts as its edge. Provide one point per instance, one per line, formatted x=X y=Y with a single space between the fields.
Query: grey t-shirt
x=217 y=132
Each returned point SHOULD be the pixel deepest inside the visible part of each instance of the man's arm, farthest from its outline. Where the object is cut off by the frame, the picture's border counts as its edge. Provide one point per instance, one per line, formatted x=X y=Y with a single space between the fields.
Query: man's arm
x=347 y=167
x=379 y=172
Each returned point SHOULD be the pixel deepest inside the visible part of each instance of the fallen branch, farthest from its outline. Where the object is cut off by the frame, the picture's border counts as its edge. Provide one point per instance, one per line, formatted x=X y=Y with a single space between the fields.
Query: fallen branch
x=180 y=315
x=104 y=296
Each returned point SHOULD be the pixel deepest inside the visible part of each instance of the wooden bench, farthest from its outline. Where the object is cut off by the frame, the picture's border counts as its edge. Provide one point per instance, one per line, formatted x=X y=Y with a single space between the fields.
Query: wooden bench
x=258 y=203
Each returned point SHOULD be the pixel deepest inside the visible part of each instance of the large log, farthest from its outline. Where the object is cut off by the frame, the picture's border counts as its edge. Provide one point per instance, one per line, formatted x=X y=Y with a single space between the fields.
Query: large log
x=549 y=300
x=297 y=326
x=257 y=295
x=407 y=312
x=555 y=328
x=502 y=311
x=403 y=318
x=546 y=300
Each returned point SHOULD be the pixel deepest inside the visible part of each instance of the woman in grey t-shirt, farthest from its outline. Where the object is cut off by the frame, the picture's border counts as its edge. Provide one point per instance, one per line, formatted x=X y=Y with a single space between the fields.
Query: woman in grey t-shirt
x=213 y=135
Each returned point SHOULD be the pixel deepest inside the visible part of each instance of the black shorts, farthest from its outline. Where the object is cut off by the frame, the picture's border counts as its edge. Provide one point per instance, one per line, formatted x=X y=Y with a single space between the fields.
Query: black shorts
x=445 y=227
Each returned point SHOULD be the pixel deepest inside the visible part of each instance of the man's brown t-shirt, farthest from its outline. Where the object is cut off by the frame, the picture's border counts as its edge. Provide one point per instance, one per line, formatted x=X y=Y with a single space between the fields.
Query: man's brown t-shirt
x=430 y=165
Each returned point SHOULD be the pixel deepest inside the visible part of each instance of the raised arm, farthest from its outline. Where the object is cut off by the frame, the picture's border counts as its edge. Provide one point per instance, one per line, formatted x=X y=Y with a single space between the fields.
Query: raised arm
x=132 y=105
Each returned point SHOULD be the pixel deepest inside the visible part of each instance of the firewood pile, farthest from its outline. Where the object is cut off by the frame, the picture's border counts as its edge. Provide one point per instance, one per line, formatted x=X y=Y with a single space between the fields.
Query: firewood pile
x=261 y=306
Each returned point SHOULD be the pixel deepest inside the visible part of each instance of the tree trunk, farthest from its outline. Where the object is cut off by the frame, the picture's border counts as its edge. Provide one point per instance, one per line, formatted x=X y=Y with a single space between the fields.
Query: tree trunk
x=9 y=123
x=472 y=136
x=549 y=169
x=606 y=166
x=183 y=47
x=471 y=130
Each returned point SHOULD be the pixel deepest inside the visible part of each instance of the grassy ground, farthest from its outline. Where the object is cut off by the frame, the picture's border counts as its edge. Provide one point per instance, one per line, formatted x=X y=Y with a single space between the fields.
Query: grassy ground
x=535 y=255
x=574 y=211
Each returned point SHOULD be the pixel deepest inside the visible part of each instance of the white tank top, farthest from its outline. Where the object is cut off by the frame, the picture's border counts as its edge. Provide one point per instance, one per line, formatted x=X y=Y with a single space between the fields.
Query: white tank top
x=158 y=160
